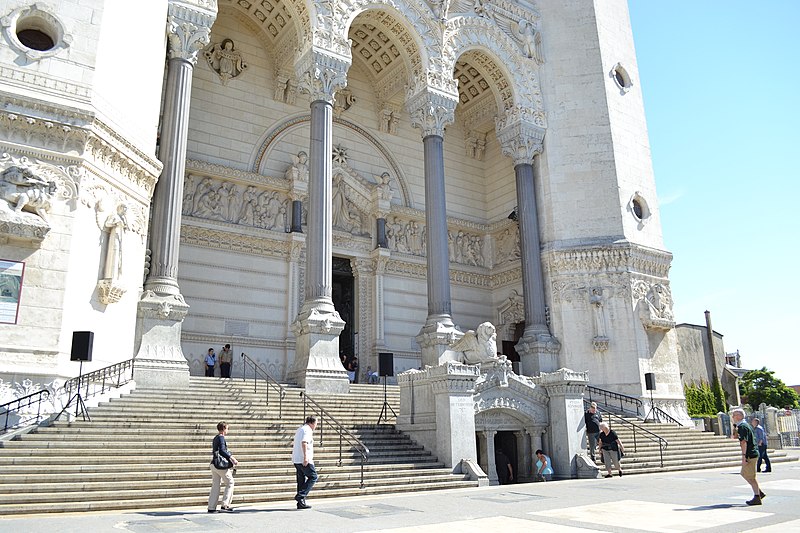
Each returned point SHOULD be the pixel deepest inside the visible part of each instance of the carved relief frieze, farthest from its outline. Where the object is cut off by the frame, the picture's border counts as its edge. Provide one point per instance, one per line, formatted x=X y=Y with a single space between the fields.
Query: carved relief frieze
x=507 y=245
x=608 y=258
x=653 y=301
x=475 y=144
x=465 y=248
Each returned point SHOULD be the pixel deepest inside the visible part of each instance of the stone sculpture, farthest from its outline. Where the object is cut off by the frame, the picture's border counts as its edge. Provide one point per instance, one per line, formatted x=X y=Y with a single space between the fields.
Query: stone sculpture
x=23 y=190
x=225 y=60
x=478 y=346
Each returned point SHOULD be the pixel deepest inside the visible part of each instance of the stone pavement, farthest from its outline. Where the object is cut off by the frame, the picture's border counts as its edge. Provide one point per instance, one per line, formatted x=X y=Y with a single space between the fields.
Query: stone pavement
x=703 y=500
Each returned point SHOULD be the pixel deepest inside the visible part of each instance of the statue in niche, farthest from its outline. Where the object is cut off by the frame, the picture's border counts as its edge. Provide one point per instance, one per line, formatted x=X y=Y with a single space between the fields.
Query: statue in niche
x=225 y=60
x=478 y=346
x=596 y=300
x=530 y=38
x=344 y=216
x=116 y=224
x=299 y=168
x=23 y=190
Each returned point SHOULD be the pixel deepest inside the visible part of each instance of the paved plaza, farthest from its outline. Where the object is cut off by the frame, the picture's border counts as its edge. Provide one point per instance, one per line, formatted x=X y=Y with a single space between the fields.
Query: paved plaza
x=702 y=500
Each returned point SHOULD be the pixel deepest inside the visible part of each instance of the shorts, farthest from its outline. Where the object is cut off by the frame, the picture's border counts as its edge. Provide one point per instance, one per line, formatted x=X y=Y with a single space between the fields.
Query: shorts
x=748 y=471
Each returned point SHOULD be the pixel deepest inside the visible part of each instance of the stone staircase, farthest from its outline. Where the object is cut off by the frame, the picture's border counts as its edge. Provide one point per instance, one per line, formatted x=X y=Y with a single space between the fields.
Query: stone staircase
x=687 y=448
x=152 y=448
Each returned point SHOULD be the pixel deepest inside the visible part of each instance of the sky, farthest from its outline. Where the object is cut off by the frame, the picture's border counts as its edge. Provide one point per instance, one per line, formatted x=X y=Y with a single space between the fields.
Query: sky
x=721 y=88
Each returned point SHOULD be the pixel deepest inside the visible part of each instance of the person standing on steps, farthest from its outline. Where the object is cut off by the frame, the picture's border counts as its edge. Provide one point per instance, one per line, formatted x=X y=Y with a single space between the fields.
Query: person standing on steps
x=761 y=442
x=303 y=459
x=747 y=441
x=225 y=361
x=610 y=447
x=211 y=362
x=592 y=420
x=221 y=475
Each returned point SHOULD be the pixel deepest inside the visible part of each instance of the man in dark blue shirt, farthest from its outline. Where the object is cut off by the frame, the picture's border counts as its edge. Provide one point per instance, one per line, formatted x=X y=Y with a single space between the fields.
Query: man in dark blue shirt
x=761 y=442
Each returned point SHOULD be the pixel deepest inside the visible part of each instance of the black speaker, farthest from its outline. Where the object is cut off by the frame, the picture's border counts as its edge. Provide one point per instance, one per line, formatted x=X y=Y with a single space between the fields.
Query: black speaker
x=650 y=381
x=386 y=364
x=82 y=342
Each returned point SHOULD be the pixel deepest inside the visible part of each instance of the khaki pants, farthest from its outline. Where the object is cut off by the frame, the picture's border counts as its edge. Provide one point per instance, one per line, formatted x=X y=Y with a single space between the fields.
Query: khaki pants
x=217 y=477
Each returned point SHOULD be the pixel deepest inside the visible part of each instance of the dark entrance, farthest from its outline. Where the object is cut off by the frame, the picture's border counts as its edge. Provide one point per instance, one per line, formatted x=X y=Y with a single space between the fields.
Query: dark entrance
x=507 y=442
x=508 y=346
x=343 y=295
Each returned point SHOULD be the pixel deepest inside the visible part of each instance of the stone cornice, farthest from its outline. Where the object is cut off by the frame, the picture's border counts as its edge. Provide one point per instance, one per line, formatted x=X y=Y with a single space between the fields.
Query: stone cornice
x=219 y=239
x=617 y=257
x=223 y=172
x=45 y=83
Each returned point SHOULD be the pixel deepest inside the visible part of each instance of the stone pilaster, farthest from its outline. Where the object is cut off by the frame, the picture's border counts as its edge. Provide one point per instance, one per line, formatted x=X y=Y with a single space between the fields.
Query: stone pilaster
x=159 y=360
x=524 y=455
x=490 y=452
x=318 y=326
x=431 y=111
x=522 y=141
x=565 y=389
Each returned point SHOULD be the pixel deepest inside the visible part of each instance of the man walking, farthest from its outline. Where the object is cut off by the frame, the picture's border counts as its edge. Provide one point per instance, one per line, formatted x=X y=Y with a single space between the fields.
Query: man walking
x=747 y=440
x=303 y=459
x=761 y=442
x=592 y=419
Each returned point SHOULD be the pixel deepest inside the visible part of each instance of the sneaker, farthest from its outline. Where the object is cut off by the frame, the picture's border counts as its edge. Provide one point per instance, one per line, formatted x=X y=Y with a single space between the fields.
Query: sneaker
x=755 y=501
x=761 y=495
x=608 y=475
x=226 y=509
x=303 y=505
x=620 y=473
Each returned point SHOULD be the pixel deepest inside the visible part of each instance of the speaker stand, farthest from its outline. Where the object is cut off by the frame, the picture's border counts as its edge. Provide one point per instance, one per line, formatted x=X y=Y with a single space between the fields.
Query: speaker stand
x=80 y=406
x=386 y=407
x=652 y=407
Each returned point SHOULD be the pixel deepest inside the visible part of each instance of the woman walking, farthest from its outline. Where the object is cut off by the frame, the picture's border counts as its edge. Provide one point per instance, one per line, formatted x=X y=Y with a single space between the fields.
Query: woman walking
x=611 y=448
x=221 y=471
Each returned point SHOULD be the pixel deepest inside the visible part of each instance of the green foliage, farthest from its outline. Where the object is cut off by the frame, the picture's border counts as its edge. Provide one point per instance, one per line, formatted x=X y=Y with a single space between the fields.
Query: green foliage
x=719 y=396
x=761 y=386
x=700 y=400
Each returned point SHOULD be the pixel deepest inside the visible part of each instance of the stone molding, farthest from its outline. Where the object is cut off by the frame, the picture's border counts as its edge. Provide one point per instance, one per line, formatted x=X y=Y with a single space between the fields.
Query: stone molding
x=610 y=258
x=321 y=74
x=431 y=111
x=153 y=306
x=318 y=322
x=189 y=27
x=519 y=138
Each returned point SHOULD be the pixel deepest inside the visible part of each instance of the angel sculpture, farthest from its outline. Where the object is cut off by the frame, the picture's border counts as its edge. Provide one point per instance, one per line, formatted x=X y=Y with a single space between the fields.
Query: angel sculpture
x=478 y=346
x=225 y=60
x=531 y=39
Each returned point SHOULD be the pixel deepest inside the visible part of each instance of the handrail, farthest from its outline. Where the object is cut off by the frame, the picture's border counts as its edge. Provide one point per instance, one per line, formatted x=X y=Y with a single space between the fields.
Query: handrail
x=29 y=400
x=662 y=442
x=344 y=433
x=659 y=413
x=607 y=395
x=109 y=377
x=271 y=382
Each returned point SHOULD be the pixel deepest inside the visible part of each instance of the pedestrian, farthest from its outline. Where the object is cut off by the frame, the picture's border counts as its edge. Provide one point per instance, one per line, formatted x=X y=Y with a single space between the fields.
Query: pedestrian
x=505 y=473
x=747 y=441
x=303 y=459
x=372 y=376
x=225 y=361
x=544 y=468
x=592 y=420
x=761 y=442
x=611 y=448
x=221 y=475
x=211 y=362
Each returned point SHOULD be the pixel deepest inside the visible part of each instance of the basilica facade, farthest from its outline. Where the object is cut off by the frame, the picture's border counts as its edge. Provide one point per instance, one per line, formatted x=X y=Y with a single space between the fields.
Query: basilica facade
x=309 y=179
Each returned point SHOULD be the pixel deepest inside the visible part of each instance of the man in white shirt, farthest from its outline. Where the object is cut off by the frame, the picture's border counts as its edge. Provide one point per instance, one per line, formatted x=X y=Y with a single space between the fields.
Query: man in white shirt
x=303 y=459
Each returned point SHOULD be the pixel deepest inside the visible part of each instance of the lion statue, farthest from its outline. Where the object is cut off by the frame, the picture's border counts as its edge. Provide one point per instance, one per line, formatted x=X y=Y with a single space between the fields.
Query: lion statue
x=478 y=346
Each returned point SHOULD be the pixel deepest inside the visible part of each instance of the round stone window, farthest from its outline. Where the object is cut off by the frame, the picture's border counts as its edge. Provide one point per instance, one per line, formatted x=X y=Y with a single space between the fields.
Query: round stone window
x=621 y=78
x=639 y=208
x=34 y=32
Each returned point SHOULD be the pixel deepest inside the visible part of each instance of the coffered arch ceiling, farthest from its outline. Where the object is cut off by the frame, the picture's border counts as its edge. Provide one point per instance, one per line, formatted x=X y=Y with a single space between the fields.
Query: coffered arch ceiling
x=483 y=90
x=385 y=50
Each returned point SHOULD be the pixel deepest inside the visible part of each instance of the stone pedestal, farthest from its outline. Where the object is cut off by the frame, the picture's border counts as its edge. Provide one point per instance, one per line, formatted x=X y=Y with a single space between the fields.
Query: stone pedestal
x=436 y=410
x=565 y=389
x=317 y=367
x=159 y=360
x=538 y=353
x=435 y=338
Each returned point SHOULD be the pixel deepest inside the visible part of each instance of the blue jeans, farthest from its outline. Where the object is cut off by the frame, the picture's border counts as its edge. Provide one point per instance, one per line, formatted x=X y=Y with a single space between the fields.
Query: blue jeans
x=762 y=456
x=306 y=477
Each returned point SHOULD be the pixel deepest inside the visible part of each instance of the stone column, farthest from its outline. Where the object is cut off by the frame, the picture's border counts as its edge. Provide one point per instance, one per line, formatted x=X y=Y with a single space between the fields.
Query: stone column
x=297 y=216
x=317 y=366
x=380 y=258
x=431 y=112
x=537 y=348
x=524 y=454
x=492 y=472
x=380 y=229
x=567 y=430
x=483 y=458
x=159 y=360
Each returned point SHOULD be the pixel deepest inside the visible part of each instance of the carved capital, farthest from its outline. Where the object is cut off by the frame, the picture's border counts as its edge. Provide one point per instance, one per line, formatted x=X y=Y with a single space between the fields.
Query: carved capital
x=321 y=75
x=188 y=27
x=431 y=111
x=519 y=137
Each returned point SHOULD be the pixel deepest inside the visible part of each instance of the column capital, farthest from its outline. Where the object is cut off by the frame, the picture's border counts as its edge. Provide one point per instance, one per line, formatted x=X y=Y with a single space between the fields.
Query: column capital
x=189 y=27
x=431 y=110
x=520 y=138
x=321 y=74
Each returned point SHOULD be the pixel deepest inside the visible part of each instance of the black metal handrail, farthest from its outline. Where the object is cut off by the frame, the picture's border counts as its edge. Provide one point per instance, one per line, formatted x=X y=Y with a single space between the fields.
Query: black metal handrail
x=657 y=414
x=661 y=441
x=25 y=401
x=271 y=382
x=344 y=433
x=607 y=396
x=110 y=377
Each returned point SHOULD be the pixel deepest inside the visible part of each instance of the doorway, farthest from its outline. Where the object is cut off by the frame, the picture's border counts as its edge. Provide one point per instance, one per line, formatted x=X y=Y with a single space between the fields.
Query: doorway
x=506 y=442
x=343 y=296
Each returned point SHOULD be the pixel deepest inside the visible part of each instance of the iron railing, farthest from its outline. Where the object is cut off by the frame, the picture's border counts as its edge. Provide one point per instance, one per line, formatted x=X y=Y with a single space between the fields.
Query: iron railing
x=100 y=381
x=343 y=432
x=659 y=415
x=17 y=407
x=271 y=383
x=610 y=399
x=646 y=433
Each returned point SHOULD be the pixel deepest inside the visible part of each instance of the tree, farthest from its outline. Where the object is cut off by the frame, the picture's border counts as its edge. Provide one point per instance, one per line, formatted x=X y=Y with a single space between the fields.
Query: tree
x=761 y=386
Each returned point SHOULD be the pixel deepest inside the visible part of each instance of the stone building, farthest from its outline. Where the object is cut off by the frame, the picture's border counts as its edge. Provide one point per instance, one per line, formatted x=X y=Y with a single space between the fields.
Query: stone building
x=301 y=178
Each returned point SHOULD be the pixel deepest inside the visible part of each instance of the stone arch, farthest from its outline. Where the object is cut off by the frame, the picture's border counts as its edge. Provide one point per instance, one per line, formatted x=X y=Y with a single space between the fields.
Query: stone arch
x=470 y=33
x=274 y=134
